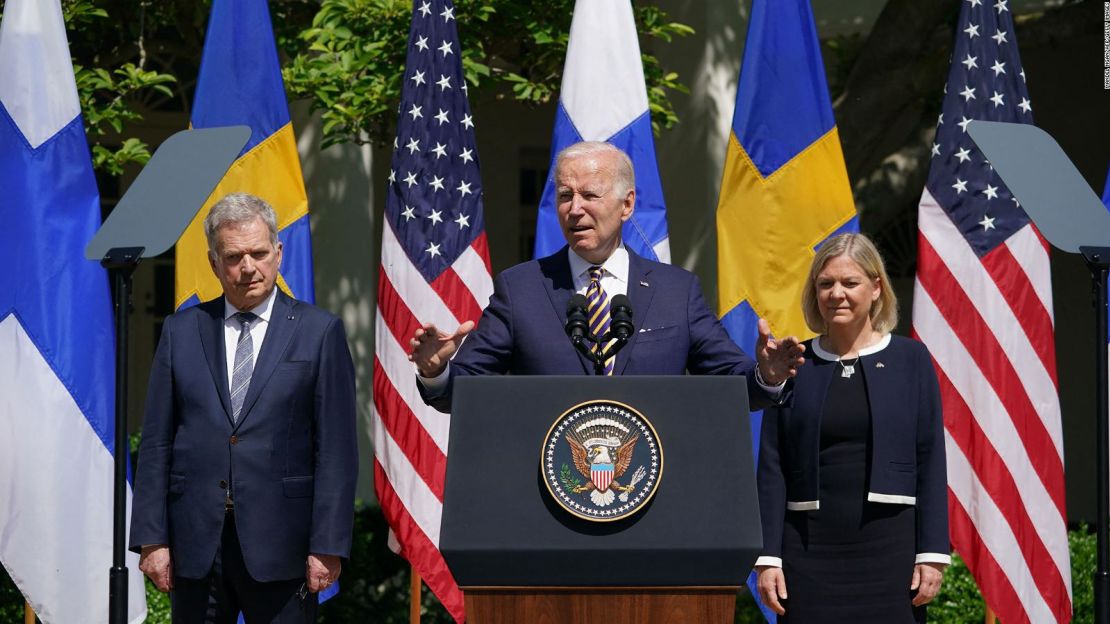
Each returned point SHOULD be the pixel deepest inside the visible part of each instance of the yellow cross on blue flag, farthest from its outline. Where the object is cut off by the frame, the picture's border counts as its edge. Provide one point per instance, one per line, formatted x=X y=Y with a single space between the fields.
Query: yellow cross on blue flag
x=240 y=84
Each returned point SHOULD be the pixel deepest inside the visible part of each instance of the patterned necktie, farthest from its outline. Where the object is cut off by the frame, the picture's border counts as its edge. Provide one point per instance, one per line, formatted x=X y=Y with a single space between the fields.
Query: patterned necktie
x=244 y=363
x=599 y=314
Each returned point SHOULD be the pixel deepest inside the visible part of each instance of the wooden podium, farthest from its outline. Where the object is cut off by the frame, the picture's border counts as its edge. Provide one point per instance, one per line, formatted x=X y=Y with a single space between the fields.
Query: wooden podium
x=607 y=605
x=520 y=557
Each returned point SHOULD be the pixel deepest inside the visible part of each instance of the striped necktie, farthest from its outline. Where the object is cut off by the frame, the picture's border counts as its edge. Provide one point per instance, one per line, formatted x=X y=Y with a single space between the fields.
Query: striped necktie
x=244 y=363
x=599 y=314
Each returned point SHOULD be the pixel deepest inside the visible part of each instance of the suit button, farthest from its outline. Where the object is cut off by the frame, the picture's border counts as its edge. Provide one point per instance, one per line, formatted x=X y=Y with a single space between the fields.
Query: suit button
x=223 y=484
x=234 y=440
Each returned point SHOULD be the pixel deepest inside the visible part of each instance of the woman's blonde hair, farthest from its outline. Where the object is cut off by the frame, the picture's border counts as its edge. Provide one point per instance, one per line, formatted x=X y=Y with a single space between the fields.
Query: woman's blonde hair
x=859 y=249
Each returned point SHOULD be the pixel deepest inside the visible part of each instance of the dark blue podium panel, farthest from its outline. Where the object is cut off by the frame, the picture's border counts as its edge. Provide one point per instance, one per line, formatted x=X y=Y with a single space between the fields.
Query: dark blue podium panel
x=501 y=526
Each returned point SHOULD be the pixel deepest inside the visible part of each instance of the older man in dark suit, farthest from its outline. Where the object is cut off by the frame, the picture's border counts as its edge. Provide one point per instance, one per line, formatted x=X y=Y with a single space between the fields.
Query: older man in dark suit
x=244 y=494
x=522 y=329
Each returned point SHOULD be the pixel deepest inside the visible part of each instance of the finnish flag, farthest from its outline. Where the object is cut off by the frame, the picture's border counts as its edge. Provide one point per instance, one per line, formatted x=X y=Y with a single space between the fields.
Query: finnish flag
x=57 y=362
x=603 y=98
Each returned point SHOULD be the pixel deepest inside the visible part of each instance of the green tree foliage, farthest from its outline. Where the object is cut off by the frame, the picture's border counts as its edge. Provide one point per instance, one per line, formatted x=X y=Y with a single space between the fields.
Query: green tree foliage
x=350 y=60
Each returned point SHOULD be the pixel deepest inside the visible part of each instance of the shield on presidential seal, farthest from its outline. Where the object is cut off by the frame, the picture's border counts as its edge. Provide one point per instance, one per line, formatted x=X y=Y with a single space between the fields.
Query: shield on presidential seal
x=602 y=460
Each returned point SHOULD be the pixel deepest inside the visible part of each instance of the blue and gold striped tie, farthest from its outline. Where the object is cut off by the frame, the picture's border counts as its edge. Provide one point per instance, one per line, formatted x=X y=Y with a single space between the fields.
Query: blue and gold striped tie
x=599 y=314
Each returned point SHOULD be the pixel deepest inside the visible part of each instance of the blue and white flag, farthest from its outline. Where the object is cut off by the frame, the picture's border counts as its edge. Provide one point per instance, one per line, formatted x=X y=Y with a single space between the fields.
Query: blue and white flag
x=603 y=98
x=57 y=363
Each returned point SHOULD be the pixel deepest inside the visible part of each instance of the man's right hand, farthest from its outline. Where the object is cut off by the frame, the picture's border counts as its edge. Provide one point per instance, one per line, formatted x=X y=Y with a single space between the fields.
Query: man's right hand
x=155 y=562
x=432 y=349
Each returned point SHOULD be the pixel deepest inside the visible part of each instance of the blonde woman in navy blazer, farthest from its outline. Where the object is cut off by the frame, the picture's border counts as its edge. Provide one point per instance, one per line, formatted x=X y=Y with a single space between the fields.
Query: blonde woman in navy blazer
x=852 y=484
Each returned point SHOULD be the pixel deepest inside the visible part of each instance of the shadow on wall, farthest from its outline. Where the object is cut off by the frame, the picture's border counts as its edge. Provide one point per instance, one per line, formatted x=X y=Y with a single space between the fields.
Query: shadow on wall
x=692 y=154
x=345 y=250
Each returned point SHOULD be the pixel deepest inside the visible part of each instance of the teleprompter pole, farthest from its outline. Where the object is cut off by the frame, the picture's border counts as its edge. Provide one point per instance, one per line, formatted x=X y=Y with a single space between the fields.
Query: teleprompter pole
x=121 y=263
x=1098 y=261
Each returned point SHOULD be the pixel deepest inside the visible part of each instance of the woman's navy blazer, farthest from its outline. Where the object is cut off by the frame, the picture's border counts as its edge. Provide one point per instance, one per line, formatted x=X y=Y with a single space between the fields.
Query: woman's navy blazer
x=907 y=451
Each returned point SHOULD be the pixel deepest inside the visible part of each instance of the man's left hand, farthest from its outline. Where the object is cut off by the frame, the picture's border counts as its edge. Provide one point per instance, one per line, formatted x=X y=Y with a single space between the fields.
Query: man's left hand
x=778 y=358
x=321 y=571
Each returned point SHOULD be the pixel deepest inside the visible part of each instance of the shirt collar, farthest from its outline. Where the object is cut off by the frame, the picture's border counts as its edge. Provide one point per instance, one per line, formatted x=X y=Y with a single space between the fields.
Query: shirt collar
x=262 y=310
x=615 y=265
x=822 y=353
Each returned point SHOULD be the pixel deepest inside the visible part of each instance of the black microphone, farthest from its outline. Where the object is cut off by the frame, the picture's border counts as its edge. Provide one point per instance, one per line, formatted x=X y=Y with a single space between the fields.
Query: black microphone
x=578 y=323
x=620 y=317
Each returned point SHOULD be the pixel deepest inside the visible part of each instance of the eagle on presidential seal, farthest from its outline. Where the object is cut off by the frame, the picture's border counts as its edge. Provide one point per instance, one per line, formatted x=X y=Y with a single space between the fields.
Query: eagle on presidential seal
x=602 y=453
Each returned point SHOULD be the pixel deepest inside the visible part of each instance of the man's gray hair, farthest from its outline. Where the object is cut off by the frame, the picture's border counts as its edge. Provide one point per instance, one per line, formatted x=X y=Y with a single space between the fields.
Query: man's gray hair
x=626 y=176
x=237 y=208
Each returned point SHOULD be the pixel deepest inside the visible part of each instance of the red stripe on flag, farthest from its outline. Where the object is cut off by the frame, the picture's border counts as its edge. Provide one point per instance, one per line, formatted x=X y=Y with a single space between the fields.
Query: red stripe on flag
x=418 y=549
x=999 y=484
x=395 y=312
x=456 y=295
x=480 y=244
x=1018 y=291
x=405 y=429
x=980 y=341
x=993 y=582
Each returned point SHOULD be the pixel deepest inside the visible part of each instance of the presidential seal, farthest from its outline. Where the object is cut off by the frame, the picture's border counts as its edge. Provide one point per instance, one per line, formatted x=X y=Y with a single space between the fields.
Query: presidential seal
x=602 y=461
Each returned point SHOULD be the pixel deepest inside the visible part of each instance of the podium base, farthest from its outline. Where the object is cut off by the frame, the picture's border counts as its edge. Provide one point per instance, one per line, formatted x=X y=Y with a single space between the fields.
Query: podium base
x=601 y=605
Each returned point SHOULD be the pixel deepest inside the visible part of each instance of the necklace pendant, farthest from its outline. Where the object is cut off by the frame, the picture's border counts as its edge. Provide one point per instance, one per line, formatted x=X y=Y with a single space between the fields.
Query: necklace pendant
x=847 y=370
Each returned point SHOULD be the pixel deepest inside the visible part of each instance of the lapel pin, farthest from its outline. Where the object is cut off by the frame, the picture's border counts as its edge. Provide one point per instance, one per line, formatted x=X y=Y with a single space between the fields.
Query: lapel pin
x=644 y=284
x=290 y=317
x=880 y=365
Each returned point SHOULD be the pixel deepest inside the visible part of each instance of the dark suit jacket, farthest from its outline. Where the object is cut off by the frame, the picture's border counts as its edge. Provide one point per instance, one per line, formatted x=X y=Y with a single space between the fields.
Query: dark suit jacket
x=522 y=329
x=291 y=459
x=907 y=450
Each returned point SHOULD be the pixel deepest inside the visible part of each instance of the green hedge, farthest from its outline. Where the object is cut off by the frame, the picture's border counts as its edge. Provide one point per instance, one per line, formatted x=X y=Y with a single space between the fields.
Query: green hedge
x=374 y=587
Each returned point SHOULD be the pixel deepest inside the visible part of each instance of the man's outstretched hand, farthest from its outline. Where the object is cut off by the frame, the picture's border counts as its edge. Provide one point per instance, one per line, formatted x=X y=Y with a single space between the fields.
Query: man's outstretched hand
x=432 y=349
x=778 y=358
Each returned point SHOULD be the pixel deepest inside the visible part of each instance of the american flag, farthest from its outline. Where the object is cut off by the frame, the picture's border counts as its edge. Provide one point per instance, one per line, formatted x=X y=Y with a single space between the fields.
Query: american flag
x=983 y=306
x=435 y=268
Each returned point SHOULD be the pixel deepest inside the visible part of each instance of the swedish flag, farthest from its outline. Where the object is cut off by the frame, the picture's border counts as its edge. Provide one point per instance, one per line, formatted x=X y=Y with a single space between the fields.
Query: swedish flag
x=240 y=83
x=785 y=188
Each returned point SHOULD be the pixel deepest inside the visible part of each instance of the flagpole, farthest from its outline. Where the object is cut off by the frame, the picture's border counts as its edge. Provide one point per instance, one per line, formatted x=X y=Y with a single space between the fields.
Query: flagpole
x=414 y=596
x=990 y=617
x=28 y=613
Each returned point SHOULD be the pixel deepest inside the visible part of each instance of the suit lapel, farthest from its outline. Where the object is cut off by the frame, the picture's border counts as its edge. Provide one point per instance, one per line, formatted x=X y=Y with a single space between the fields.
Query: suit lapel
x=283 y=323
x=640 y=293
x=560 y=286
x=211 y=327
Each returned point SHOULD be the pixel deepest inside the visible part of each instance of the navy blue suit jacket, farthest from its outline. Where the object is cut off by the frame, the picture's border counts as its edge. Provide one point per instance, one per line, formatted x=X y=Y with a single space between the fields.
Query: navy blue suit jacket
x=522 y=329
x=907 y=445
x=291 y=458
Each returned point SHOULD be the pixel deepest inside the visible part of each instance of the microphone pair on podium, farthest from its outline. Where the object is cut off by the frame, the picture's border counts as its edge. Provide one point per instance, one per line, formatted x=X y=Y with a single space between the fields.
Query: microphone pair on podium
x=578 y=328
